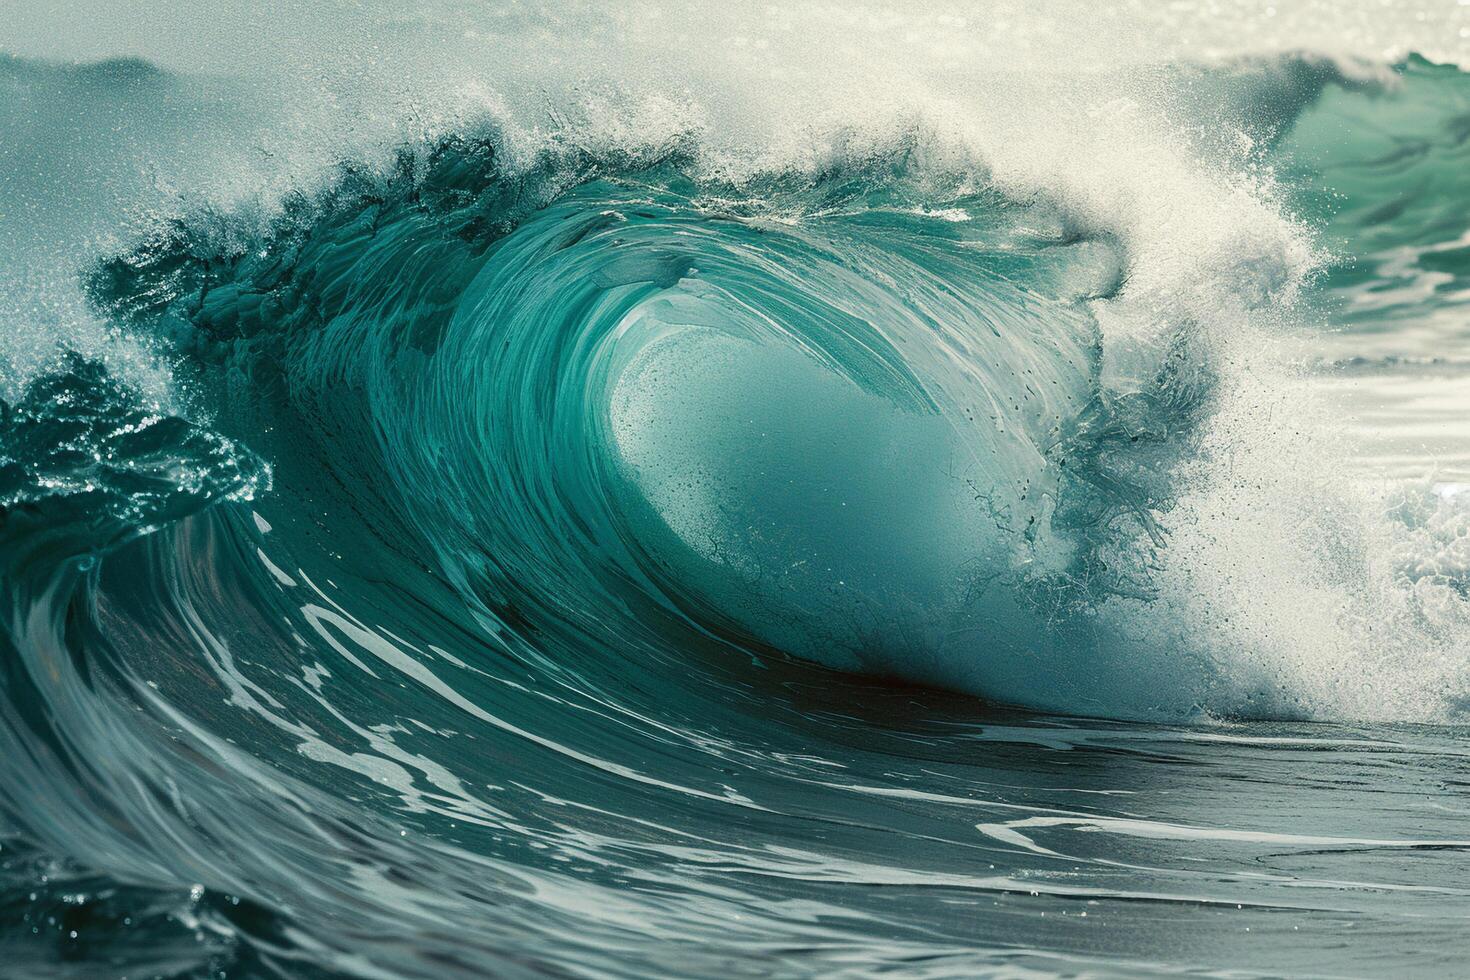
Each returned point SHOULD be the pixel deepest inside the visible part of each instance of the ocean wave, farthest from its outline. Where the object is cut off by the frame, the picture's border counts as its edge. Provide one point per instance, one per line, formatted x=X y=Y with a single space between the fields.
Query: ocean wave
x=800 y=410
x=508 y=482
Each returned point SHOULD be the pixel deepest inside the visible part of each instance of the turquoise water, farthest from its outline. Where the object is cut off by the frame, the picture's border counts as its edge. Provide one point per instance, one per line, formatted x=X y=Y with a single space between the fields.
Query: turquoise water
x=769 y=493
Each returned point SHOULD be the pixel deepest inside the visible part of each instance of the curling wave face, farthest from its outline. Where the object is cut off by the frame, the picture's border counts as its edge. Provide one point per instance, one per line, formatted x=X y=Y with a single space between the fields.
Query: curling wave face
x=848 y=418
x=512 y=525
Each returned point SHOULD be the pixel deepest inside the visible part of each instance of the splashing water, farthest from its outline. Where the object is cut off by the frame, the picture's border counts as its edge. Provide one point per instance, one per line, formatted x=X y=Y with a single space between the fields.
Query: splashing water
x=632 y=492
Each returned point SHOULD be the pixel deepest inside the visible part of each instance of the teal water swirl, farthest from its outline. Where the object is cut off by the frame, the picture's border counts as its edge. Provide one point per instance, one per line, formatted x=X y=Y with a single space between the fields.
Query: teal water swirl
x=598 y=564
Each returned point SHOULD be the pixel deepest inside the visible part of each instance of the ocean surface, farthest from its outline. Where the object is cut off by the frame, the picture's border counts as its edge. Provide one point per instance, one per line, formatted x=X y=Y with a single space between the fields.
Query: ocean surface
x=632 y=490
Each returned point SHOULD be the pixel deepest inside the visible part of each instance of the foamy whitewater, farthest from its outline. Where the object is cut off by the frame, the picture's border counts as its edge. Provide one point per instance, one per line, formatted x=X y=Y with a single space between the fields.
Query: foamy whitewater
x=818 y=489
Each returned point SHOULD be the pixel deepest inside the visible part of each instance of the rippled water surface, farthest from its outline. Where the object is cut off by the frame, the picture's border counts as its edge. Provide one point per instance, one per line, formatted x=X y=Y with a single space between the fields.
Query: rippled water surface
x=624 y=491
